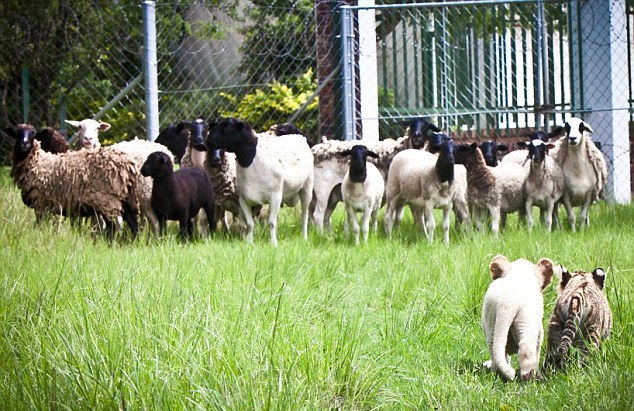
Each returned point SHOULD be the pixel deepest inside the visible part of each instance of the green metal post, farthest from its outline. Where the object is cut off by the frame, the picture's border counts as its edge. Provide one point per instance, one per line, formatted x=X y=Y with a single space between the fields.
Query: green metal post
x=26 y=95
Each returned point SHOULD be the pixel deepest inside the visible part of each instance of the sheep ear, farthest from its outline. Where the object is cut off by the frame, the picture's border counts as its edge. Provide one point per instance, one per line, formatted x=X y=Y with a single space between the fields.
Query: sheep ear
x=545 y=267
x=502 y=147
x=550 y=146
x=10 y=131
x=104 y=126
x=373 y=154
x=599 y=276
x=587 y=127
x=499 y=266
x=73 y=123
x=434 y=127
x=473 y=146
x=522 y=144
x=344 y=153
x=556 y=131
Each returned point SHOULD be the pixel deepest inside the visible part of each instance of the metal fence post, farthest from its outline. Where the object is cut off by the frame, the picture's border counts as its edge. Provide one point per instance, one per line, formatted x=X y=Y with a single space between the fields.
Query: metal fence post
x=26 y=95
x=347 y=61
x=150 y=68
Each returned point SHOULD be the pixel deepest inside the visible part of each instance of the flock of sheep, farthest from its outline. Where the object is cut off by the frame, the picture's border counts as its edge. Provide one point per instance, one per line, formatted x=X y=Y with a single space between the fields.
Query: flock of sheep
x=227 y=168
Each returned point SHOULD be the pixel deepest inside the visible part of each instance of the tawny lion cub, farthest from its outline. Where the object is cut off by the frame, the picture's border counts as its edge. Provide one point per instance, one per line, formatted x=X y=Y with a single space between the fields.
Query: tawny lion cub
x=512 y=314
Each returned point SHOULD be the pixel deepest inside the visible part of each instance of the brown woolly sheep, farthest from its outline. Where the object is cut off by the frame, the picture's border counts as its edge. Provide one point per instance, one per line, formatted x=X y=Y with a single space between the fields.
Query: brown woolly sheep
x=76 y=183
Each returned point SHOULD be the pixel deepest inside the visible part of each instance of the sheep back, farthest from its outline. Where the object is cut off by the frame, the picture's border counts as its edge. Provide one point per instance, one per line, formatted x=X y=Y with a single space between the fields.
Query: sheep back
x=285 y=160
x=78 y=182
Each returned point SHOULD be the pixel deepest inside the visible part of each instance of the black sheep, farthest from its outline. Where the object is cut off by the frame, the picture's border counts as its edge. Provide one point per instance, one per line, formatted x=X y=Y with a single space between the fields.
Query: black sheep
x=175 y=138
x=178 y=195
x=52 y=141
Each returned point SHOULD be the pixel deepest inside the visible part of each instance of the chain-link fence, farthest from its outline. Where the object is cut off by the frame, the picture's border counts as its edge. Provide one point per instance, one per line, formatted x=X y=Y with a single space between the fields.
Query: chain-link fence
x=491 y=70
x=480 y=69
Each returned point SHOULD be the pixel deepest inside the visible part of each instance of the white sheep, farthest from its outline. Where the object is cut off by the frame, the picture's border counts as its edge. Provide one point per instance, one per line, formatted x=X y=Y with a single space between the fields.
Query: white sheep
x=585 y=170
x=330 y=167
x=425 y=181
x=87 y=133
x=362 y=191
x=99 y=182
x=499 y=190
x=544 y=184
x=270 y=170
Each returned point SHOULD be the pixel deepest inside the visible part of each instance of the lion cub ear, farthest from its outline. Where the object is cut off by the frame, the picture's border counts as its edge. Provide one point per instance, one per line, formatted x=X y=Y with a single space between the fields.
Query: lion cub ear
x=599 y=276
x=544 y=270
x=499 y=266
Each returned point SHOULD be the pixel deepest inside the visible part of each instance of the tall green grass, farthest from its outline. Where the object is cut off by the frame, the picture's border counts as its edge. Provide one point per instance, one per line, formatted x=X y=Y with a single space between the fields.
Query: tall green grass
x=217 y=324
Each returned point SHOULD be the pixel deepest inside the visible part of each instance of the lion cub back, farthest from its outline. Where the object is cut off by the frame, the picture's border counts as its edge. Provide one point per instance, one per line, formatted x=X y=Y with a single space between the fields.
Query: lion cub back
x=582 y=314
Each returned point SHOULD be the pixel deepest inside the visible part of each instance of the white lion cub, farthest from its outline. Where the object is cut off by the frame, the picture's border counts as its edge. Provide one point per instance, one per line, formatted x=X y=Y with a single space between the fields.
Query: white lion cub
x=512 y=314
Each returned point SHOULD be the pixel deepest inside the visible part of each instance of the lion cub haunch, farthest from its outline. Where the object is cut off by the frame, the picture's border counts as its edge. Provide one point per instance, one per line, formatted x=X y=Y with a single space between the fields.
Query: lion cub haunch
x=582 y=315
x=512 y=314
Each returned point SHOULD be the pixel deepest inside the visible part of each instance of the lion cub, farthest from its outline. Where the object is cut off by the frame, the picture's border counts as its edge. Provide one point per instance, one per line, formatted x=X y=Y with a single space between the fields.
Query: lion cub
x=582 y=315
x=512 y=314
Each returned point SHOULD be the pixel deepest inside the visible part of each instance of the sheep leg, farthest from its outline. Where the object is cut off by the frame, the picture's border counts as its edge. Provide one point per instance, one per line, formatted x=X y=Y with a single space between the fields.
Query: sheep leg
x=130 y=218
x=365 y=223
x=275 y=203
x=245 y=212
x=461 y=210
x=210 y=213
x=584 y=213
x=430 y=222
x=446 y=223
x=353 y=221
x=548 y=215
x=571 y=214
x=494 y=211
x=387 y=220
x=528 y=207
x=334 y=198
x=320 y=196
x=304 y=197
x=373 y=218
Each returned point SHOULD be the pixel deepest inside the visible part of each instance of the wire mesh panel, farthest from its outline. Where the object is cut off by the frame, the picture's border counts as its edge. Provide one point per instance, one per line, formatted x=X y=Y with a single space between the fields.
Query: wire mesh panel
x=477 y=67
x=495 y=69
x=255 y=62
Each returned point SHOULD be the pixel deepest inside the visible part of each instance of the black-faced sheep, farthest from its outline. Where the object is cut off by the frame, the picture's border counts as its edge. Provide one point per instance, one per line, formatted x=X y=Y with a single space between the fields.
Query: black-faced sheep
x=425 y=181
x=76 y=183
x=490 y=151
x=330 y=168
x=269 y=170
x=520 y=156
x=544 y=184
x=178 y=195
x=585 y=170
x=175 y=138
x=362 y=191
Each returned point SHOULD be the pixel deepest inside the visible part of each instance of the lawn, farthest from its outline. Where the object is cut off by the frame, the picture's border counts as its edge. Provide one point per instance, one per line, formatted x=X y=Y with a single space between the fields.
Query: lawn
x=218 y=324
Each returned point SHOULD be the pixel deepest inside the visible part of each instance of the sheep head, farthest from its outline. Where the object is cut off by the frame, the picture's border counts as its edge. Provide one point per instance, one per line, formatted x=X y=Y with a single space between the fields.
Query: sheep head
x=157 y=165
x=490 y=151
x=88 y=132
x=419 y=129
x=24 y=134
x=575 y=130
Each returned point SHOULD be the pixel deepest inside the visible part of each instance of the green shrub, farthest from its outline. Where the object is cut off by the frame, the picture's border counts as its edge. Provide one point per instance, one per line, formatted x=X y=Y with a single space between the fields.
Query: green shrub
x=275 y=103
